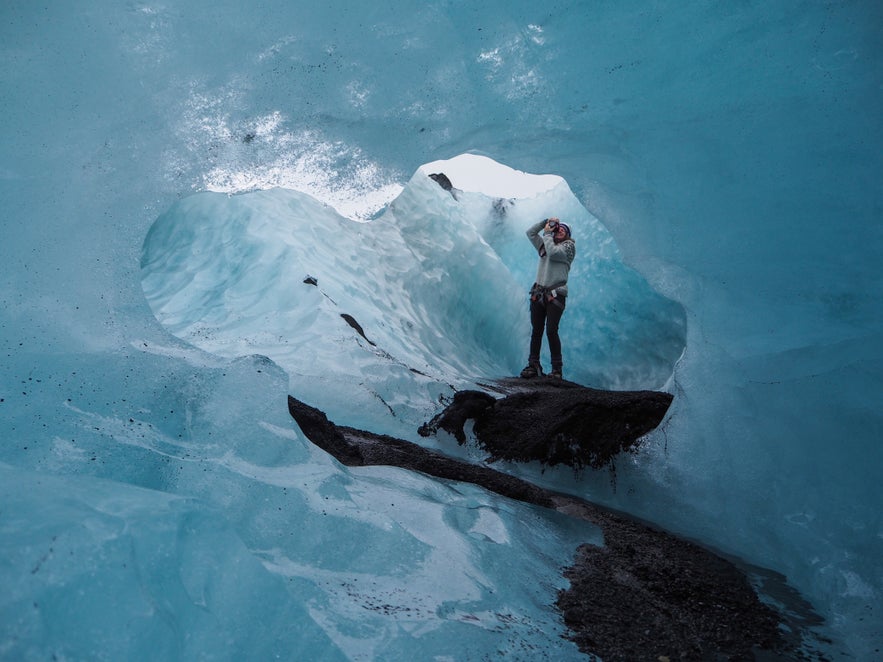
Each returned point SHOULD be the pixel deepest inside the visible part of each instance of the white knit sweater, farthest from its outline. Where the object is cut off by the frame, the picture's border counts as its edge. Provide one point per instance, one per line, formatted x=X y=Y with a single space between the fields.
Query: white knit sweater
x=554 y=266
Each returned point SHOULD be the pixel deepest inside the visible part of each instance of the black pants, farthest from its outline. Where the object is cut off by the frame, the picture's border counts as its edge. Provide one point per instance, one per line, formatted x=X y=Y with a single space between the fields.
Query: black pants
x=546 y=315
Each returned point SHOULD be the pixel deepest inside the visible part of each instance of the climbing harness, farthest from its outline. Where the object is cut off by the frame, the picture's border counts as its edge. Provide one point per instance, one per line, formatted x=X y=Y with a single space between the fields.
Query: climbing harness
x=545 y=295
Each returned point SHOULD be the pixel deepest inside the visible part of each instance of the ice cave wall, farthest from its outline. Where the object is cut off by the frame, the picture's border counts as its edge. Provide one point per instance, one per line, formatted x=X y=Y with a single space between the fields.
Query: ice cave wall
x=734 y=151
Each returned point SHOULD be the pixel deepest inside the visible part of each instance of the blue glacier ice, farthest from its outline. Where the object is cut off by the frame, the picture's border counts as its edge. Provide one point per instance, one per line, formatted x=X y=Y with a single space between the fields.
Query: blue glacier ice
x=171 y=174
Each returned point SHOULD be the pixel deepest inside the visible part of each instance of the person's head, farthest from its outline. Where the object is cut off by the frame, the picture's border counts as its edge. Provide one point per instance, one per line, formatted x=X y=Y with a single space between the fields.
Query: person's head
x=561 y=233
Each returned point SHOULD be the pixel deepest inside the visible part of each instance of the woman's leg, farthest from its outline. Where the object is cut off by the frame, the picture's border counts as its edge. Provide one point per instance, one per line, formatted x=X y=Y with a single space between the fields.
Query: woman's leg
x=554 y=311
x=537 y=322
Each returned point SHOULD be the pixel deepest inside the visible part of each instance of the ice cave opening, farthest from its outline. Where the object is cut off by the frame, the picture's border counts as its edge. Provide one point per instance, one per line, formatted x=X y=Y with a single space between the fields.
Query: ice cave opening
x=436 y=282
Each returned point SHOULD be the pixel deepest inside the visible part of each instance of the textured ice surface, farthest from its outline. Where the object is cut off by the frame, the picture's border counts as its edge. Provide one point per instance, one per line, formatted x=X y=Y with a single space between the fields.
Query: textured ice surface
x=188 y=515
x=732 y=151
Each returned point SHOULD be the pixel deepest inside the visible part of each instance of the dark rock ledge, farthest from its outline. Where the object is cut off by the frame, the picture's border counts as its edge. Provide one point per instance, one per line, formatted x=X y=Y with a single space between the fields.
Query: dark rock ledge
x=553 y=421
x=646 y=594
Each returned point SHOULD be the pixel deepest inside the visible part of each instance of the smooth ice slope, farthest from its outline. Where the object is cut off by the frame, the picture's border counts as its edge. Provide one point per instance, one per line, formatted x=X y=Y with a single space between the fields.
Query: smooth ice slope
x=732 y=150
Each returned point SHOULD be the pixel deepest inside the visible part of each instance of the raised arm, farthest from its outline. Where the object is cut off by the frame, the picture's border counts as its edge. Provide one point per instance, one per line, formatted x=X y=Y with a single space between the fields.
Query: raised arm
x=534 y=234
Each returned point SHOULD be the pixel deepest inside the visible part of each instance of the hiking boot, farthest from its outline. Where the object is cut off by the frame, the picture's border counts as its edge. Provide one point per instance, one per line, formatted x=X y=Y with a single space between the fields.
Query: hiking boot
x=533 y=369
x=556 y=373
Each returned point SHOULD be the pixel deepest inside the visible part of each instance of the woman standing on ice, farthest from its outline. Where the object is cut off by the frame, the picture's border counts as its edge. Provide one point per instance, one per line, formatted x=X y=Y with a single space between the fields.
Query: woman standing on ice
x=548 y=295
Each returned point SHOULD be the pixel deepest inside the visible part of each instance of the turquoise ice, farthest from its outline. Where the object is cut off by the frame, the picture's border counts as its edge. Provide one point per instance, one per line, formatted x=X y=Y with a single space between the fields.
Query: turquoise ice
x=722 y=163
